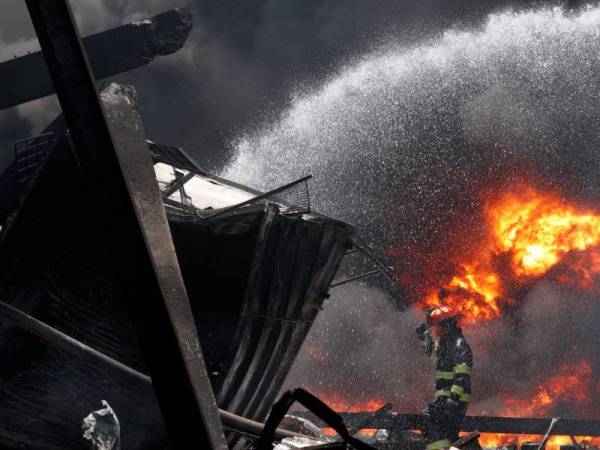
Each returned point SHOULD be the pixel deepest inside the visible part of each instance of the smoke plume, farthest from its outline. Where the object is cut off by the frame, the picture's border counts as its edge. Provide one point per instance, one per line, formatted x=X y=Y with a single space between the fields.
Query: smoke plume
x=404 y=112
x=403 y=142
x=243 y=56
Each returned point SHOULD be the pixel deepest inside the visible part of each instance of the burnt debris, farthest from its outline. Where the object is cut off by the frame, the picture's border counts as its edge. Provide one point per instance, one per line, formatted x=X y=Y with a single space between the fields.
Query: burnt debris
x=109 y=53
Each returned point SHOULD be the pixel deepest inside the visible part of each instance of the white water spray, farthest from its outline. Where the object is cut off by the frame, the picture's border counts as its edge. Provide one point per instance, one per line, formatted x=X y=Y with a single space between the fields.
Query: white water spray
x=392 y=137
x=396 y=142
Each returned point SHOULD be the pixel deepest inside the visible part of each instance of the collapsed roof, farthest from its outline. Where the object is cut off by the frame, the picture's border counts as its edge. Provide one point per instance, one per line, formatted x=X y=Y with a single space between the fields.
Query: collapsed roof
x=259 y=273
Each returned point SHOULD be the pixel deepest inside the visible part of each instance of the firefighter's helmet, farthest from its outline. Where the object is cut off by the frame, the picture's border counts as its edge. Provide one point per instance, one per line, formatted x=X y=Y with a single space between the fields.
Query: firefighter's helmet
x=440 y=314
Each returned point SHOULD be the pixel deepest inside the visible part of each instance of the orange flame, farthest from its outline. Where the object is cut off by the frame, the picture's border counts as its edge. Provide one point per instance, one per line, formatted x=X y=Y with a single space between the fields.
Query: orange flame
x=572 y=384
x=339 y=403
x=554 y=443
x=539 y=231
x=527 y=235
x=474 y=293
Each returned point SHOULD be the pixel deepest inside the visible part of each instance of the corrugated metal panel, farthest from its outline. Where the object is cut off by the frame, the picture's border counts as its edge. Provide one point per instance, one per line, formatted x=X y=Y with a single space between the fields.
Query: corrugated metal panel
x=295 y=260
x=265 y=274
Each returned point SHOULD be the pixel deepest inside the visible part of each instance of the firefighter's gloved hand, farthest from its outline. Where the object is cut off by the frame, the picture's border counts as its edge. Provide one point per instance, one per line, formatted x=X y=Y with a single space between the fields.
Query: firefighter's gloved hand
x=435 y=410
x=431 y=415
x=439 y=402
x=451 y=411
x=452 y=406
x=422 y=332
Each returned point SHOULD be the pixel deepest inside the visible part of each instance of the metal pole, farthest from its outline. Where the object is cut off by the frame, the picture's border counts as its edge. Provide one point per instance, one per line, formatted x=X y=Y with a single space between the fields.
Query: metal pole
x=548 y=433
x=574 y=442
x=354 y=278
x=259 y=197
x=120 y=177
x=363 y=247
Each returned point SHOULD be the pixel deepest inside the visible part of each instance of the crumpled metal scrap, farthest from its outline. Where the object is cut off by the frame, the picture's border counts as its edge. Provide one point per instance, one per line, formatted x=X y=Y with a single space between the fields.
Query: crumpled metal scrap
x=102 y=428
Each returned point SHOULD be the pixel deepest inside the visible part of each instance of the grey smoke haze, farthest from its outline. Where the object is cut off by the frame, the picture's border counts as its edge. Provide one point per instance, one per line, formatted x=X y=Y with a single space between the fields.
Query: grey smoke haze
x=400 y=140
x=360 y=349
x=398 y=118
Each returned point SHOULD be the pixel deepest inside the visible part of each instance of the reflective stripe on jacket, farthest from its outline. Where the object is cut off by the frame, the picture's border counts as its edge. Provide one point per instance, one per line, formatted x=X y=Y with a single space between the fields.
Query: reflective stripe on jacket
x=454 y=363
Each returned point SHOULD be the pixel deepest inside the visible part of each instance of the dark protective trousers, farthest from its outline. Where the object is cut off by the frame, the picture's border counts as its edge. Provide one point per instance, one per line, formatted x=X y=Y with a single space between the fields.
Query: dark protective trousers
x=440 y=427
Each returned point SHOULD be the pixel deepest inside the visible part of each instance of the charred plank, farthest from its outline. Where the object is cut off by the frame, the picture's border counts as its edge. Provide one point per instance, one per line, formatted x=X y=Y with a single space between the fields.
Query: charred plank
x=110 y=52
x=483 y=424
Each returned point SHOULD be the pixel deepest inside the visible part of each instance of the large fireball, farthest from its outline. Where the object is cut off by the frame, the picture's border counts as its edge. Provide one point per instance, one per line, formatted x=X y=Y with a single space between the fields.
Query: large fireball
x=528 y=234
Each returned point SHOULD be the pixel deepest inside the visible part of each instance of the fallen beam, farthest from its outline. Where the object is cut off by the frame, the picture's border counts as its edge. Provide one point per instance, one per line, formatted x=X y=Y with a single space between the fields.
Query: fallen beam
x=62 y=340
x=52 y=336
x=484 y=424
x=115 y=161
x=110 y=52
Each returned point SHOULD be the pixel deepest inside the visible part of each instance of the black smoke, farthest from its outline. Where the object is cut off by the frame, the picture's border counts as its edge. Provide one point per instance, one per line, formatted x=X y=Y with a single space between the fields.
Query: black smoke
x=407 y=142
x=243 y=57
x=399 y=154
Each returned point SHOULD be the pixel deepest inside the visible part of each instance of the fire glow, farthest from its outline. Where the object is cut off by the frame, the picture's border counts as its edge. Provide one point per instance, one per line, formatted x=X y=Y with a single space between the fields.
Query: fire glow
x=339 y=403
x=527 y=236
x=571 y=384
x=554 y=442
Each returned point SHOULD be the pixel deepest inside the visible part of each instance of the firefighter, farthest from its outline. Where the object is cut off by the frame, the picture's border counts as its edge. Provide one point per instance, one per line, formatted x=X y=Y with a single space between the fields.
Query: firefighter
x=443 y=341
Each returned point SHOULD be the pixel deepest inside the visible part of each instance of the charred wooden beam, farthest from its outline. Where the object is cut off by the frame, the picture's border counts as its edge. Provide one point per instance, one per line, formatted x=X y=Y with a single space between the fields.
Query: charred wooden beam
x=110 y=52
x=116 y=164
x=372 y=418
x=484 y=424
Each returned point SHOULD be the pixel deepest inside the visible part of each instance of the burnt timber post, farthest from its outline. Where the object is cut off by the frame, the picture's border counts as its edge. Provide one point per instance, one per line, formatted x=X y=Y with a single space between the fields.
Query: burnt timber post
x=110 y=52
x=117 y=168
x=483 y=424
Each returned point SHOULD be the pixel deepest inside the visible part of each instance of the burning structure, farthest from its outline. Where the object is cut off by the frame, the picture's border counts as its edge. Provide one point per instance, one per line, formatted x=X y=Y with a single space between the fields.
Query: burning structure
x=238 y=267
x=529 y=248
x=438 y=134
x=261 y=264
